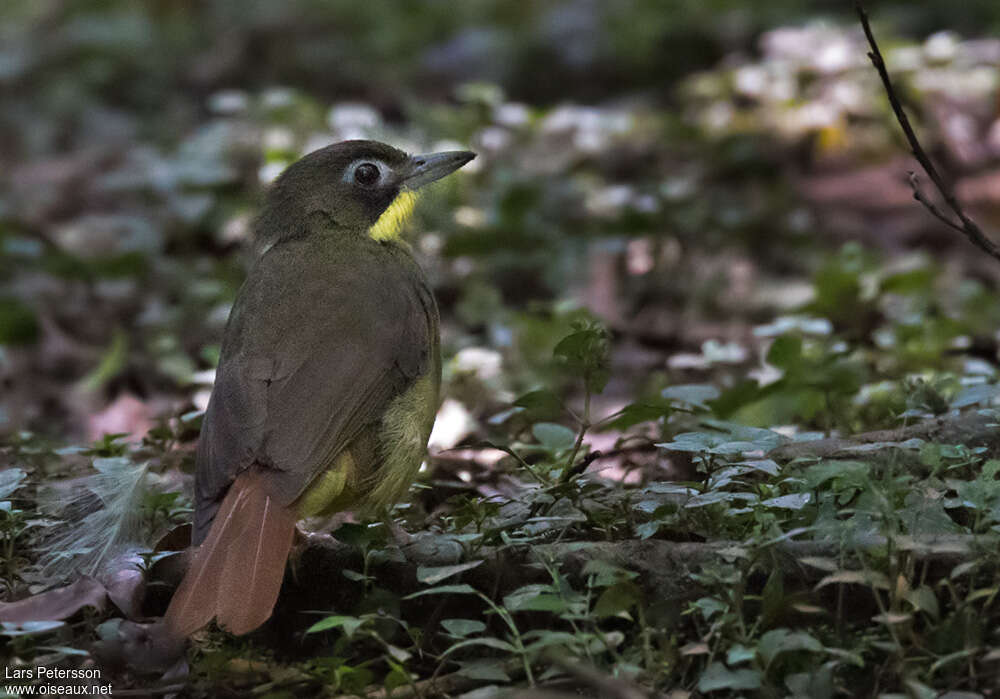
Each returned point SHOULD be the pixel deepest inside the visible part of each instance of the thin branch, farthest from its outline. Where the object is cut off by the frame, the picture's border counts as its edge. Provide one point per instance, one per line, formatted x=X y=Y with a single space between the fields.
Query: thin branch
x=971 y=429
x=919 y=195
x=581 y=466
x=968 y=227
x=584 y=463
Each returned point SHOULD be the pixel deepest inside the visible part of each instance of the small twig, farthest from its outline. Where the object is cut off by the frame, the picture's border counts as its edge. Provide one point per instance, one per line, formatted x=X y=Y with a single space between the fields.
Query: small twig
x=919 y=195
x=585 y=425
x=581 y=465
x=968 y=227
x=584 y=463
x=971 y=429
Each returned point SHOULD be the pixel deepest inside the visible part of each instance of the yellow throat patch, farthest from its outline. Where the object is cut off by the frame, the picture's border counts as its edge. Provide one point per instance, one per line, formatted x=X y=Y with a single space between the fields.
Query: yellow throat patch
x=390 y=224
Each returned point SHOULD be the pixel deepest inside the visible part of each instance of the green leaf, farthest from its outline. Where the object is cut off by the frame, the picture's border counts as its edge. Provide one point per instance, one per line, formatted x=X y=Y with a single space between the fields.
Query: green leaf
x=822 y=562
x=434 y=575
x=846 y=656
x=554 y=437
x=918 y=690
x=397 y=677
x=10 y=480
x=112 y=363
x=488 y=642
x=737 y=396
x=923 y=514
x=817 y=684
x=18 y=325
x=669 y=488
x=397 y=653
x=795 y=501
x=923 y=599
x=785 y=352
x=540 y=405
x=767 y=466
x=462 y=627
x=66 y=650
x=586 y=353
x=719 y=496
x=973 y=395
x=730 y=439
x=763 y=439
x=695 y=442
x=485 y=670
x=648 y=529
x=29 y=628
x=848 y=473
x=349 y=624
x=547 y=639
x=779 y=641
x=635 y=413
x=537 y=598
x=717 y=677
x=462 y=589
x=856 y=577
x=796 y=323
x=773 y=596
x=353 y=679
x=709 y=607
x=963 y=569
x=696 y=395
x=740 y=654
x=648 y=506
x=618 y=598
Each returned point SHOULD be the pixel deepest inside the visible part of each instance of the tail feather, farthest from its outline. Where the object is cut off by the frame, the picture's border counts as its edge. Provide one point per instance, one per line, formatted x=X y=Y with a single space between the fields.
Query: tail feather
x=255 y=567
x=236 y=574
x=193 y=604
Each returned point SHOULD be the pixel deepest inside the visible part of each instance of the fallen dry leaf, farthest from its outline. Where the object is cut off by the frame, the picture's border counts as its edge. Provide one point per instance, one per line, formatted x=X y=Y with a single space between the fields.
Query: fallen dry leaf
x=125 y=415
x=57 y=604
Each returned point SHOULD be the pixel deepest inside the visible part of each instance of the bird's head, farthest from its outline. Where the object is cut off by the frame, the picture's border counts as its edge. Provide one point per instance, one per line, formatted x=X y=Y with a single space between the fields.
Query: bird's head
x=362 y=186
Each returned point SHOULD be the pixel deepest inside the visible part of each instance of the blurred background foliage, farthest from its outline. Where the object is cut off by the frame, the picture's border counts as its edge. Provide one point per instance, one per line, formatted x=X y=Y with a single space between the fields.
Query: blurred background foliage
x=684 y=171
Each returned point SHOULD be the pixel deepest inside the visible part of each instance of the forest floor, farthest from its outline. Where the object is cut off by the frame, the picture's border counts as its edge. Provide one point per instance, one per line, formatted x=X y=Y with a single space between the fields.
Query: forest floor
x=719 y=407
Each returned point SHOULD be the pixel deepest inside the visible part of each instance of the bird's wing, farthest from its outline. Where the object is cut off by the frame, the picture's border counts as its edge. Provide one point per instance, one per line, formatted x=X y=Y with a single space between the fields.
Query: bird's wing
x=318 y=343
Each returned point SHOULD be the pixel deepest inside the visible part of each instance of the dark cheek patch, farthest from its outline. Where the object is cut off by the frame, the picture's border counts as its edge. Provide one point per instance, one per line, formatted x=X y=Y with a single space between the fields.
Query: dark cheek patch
x=377 y=200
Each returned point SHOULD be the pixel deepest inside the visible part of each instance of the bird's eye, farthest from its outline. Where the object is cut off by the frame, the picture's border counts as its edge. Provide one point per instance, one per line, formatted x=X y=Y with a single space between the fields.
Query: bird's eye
x=366 y=174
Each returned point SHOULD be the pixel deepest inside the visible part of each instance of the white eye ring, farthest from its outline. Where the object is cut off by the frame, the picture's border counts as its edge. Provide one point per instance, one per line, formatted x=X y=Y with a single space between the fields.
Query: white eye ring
x=350 y=172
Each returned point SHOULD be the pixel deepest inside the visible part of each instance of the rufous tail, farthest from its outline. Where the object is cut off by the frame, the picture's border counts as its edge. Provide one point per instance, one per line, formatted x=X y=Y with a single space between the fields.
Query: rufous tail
x=236 y=573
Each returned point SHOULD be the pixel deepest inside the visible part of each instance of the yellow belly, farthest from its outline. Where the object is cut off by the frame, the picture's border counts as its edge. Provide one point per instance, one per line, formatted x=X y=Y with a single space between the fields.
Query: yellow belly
x=402 y=441
x=332 y=490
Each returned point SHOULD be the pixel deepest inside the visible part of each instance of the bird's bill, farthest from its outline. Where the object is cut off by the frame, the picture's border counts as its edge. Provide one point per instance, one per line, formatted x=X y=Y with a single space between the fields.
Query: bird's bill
x=430 y=167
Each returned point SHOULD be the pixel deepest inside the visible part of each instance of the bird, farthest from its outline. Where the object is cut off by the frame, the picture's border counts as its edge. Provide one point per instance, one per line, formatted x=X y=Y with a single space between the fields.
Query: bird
x=328 y=377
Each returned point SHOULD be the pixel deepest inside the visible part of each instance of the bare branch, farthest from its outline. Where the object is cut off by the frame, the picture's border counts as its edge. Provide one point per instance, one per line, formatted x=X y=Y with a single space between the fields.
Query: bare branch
x=971 y=429
x=919 y=195
x=968 y=227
